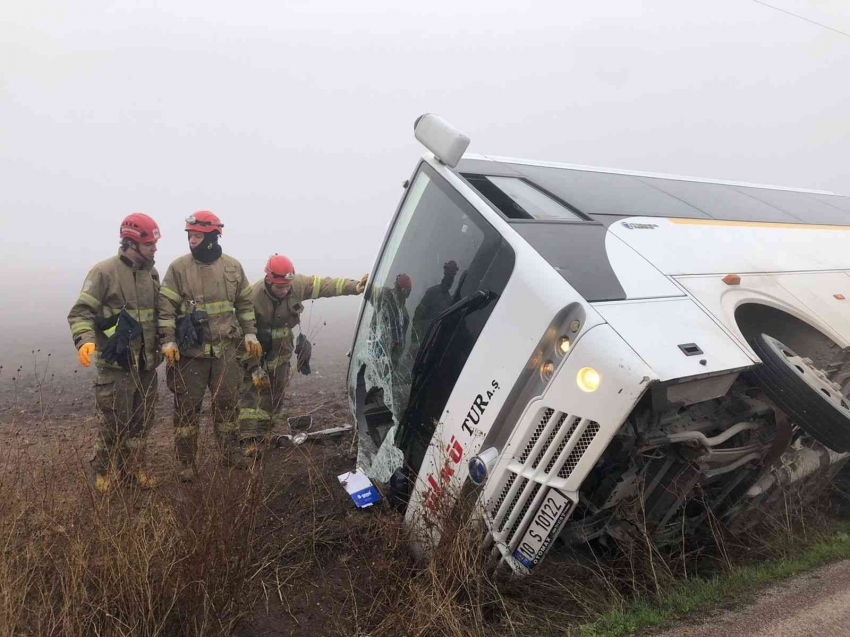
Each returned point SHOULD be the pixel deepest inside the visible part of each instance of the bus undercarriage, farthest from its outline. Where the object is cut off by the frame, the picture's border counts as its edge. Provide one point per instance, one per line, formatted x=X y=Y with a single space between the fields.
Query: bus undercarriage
x=678 y=471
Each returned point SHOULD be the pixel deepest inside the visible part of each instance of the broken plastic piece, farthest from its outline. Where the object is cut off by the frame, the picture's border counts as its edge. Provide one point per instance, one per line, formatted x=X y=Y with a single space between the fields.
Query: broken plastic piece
x=303 y=436
x=360 y=488
x=300 y=423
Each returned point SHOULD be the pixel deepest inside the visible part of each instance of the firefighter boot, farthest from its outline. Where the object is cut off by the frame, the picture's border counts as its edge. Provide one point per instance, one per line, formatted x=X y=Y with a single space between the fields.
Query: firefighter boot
x=143 y=480
x=186 y=446
x=252 y=448
x=131 y=461
x=233 y=456
x=102 y=483
x=187 y=474
x=228 y=443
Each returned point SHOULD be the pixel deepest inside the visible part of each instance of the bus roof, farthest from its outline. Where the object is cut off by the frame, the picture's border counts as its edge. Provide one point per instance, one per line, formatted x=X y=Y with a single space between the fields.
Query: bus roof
x=604 y=191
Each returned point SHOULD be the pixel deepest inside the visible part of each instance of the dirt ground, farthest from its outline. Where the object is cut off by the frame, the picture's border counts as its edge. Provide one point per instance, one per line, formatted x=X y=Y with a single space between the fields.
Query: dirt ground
x=39 y=405
x=815 y=604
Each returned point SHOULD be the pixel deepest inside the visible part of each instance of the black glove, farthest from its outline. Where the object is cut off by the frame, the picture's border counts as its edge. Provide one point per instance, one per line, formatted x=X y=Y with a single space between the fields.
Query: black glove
x=117 y=349
x=190 y=330
x=303 y=352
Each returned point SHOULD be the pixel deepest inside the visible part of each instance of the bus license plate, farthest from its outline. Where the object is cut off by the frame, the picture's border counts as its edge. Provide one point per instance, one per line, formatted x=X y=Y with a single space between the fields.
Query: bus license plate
x=542 y=529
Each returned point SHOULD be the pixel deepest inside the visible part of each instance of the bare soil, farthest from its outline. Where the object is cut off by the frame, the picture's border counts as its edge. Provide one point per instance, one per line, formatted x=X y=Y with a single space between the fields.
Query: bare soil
x=39 y=406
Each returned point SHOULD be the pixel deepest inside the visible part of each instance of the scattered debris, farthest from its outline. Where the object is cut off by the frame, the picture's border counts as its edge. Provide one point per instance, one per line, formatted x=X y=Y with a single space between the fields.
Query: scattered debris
x=303 y=436
x=300 y=423
x=360 y=488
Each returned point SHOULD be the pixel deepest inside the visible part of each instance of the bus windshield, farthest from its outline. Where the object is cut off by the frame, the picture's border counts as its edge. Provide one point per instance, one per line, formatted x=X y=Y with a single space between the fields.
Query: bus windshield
x=439 y=252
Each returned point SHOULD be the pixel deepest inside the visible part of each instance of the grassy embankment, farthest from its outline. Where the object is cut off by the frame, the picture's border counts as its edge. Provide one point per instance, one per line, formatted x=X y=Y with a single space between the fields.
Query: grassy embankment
x=736 y=582
x=281 y=551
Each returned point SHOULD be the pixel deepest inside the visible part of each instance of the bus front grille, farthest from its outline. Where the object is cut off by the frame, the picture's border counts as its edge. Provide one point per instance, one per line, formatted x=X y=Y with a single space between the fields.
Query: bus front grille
x=554 y=444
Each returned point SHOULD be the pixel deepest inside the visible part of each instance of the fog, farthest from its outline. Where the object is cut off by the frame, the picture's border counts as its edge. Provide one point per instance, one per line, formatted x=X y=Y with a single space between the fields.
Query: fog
x=293 y=120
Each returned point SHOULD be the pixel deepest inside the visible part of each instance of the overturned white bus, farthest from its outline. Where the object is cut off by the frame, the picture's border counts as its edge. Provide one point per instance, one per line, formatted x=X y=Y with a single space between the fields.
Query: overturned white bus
x=600 y=350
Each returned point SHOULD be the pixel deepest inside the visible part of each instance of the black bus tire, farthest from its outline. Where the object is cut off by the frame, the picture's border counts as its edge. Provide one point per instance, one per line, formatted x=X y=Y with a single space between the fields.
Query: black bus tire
x=811 y=402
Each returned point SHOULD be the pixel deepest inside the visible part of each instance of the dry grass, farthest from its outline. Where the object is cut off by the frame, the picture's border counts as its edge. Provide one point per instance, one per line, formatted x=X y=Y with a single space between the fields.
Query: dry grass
x=282 y=551
x=78 y=563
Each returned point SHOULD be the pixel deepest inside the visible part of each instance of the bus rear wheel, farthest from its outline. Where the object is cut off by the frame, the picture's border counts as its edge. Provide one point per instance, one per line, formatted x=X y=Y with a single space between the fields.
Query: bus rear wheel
x=803 y=391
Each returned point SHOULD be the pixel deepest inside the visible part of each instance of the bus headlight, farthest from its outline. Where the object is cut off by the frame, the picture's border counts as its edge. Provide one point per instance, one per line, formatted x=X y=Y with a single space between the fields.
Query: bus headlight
x=547 y=370
x=588 y=379
x=564 y=345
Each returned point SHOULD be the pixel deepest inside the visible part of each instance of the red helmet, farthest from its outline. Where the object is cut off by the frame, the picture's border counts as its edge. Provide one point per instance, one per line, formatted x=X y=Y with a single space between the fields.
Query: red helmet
x=403 y=281
x=139 y=227
x=279 y=269
x=204 y=221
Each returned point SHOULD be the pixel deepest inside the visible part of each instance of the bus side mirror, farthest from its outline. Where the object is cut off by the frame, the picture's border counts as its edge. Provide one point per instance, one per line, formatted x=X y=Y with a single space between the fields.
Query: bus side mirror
x=446 y=142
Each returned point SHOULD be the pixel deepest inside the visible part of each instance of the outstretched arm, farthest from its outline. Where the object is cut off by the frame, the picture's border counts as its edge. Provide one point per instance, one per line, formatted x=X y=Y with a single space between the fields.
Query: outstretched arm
x=328 y=287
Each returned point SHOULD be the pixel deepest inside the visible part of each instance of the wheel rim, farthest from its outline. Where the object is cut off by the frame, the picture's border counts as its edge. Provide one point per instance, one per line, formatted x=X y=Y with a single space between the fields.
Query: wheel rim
x=813 y=376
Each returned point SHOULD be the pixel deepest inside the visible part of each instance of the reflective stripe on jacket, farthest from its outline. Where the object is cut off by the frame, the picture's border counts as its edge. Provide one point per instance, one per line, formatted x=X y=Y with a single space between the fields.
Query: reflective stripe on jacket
x=277 y=317
x=111 y=285
x=220 y=289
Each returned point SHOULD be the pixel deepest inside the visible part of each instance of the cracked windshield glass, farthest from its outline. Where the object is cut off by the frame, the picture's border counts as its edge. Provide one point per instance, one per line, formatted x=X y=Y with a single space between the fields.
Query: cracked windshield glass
x=437 y=254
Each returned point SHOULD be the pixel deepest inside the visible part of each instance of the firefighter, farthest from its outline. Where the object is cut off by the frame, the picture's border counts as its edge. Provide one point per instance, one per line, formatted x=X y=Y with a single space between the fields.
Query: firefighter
x=391 y=317
x=205 y=315
x=278 y=303
x=436 y=299
x=114 y=323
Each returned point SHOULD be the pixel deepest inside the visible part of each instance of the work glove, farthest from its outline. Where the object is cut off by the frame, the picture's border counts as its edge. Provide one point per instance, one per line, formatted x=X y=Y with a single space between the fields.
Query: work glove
x=190 y=330
x=252 y=345
x=260 y=378
x=303 y=352
x=171 y=353
x=361 y=284
x=117 y=349
x=84 y=354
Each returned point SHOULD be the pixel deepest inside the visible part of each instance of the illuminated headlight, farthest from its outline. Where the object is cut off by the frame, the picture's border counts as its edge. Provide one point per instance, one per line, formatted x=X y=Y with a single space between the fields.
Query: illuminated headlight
x=564 y=345
x=547 y=369
x=588 y=379
x=481 y=465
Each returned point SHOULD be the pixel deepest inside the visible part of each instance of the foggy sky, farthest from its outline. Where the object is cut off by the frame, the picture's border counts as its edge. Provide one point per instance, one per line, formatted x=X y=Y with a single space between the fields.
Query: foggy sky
x=293 y=120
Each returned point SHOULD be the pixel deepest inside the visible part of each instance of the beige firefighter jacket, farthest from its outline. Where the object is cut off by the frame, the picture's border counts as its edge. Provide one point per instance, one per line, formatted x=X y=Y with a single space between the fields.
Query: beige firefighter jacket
x=276 y=318
x=111 y=285
x=220 y=289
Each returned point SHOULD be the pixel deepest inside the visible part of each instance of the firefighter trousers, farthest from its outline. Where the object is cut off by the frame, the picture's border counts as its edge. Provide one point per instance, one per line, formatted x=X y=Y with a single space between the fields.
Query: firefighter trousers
x=126 y=403
x=260 y=408
x=189 y=380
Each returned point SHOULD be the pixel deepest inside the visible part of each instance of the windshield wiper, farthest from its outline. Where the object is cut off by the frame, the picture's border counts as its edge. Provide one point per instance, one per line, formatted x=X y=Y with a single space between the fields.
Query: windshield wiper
x=429 y=355
x=424 y=363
